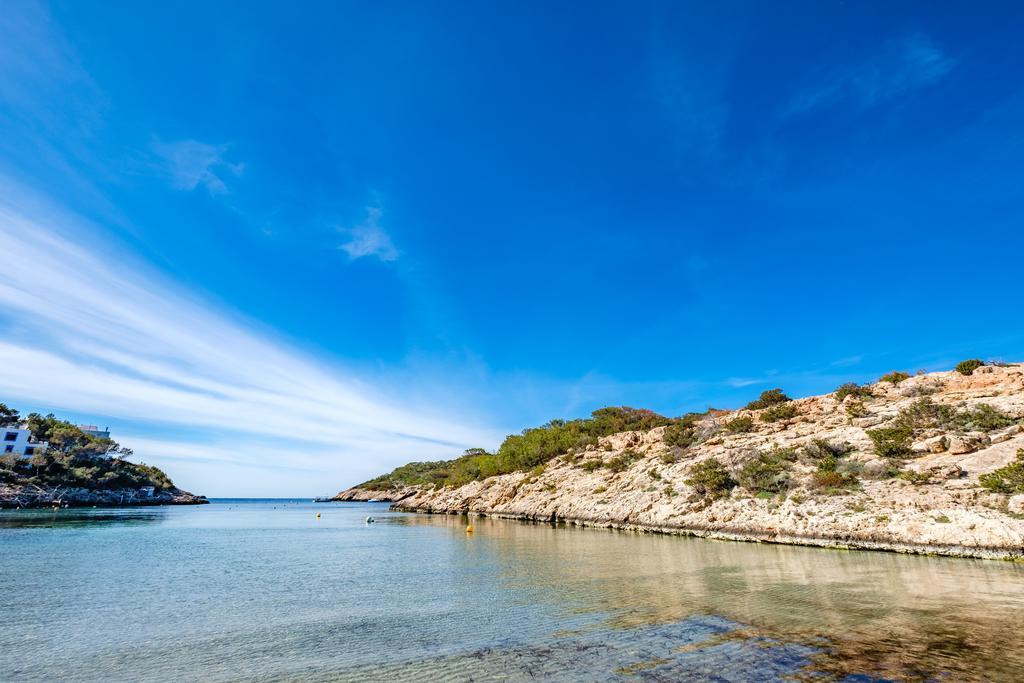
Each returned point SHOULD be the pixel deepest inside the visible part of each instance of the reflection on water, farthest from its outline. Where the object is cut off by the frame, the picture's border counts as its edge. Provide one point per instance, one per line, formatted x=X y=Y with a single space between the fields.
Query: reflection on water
x=72 y=517
x=267 y=591
x=884 y=613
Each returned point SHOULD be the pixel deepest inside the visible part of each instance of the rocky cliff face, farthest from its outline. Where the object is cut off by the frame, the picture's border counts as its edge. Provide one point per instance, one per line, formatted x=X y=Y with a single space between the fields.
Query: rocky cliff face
x=356 y=494
x=923 y=497
x=30 y=496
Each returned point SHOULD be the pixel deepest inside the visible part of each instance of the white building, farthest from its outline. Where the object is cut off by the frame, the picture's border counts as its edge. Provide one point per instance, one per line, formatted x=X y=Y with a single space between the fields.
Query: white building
x=20 y=442
x=93 y=430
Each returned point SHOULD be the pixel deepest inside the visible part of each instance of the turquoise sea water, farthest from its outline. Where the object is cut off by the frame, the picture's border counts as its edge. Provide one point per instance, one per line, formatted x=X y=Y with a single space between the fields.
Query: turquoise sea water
x=265 y=591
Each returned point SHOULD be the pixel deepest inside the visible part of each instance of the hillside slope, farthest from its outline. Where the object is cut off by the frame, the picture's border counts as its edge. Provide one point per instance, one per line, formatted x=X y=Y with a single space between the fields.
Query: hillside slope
x=897 y=465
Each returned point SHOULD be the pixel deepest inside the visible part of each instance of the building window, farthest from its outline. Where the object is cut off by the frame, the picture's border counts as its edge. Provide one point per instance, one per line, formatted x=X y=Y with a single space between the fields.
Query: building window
x=9 y=449
x=11 y=436
x=29 y=450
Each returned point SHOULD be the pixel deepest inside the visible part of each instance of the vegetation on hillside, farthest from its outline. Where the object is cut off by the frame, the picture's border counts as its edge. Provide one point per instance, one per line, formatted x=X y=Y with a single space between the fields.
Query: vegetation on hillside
x=520 y=452
x=967 y=367
x=1008 y=479
x=768 y=398
x=73 y=458
x=776 y=413
x=711 y=479
x=894 y=441
x=764 y=473
x=852 y=389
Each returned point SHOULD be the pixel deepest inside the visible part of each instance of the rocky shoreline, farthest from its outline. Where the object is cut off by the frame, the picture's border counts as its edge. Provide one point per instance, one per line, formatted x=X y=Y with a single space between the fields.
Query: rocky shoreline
x=933 y=504
x=37 y=497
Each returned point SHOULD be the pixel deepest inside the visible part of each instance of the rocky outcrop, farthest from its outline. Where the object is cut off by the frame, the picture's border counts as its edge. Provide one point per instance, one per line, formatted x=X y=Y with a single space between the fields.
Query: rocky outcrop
x=31 y=496
x=933 y=504
x=356 y=494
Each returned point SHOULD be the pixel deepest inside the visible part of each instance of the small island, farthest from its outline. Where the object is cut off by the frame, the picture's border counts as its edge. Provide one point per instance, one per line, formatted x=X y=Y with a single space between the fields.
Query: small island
x=48 y=462
x=932 y=463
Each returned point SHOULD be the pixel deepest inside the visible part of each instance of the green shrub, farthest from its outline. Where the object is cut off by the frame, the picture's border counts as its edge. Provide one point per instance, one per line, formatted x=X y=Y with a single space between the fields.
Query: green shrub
x=914 y=477
x=711 y=479
x=670 y=492
x=683 y=432
x=622 y=462
x=782 y=411
x=856 y=409
x=741 y=425
x=894 y=377
x=926 y=414
x=891 y=442
x=831 y=480
x=967 y=367
x=1008 y=479
x=669 y=458
x=654 y=474
x=982 y=418
x=600 y=489
x=680 y=435
x=766 y=471
x=852 y=389
x=768 y=398
x=591 y=465
x=819 y=449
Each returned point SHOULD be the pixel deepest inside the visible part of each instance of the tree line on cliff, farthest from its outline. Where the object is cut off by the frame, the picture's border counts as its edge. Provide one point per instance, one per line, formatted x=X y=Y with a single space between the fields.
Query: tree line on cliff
x=73 y=458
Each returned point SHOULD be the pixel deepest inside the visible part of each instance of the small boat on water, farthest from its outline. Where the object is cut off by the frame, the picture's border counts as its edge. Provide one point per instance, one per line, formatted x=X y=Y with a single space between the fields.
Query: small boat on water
x=373 y=500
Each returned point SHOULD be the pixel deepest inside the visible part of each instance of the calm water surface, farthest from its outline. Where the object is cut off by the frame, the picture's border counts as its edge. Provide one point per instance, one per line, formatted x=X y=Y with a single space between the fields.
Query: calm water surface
x=265 y=591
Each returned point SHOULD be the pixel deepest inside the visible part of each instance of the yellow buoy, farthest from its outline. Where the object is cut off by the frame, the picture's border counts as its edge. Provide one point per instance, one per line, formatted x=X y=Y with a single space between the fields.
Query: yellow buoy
x=318 y=515
x=469 y=529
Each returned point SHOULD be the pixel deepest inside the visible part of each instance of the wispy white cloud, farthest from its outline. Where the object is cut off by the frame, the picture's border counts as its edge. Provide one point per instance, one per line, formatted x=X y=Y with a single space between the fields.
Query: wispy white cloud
x=189 y=164
x=740 y=382
x=899 y=67
x=86 y=330
x=369 y=239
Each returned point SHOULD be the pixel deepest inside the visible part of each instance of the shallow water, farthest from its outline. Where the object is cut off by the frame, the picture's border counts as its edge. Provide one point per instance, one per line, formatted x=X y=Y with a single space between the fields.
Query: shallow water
x=265 y=591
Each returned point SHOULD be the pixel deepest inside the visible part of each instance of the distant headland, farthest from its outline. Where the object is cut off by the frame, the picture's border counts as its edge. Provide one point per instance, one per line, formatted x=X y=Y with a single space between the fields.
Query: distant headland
x=47 y=462
x=932 y=463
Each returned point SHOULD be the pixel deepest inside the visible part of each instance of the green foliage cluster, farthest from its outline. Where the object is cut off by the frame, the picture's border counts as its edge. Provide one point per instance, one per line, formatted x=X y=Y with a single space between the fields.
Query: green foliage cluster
x=711 y=479
x=832 y=472
x=782 y=411
x=856 y=409
x=852 y=389
x=74 y=458
x=819 y=449
x=768 y=398
x=894 y=441
x=622 y=461
x=741 y=425
x=683 y=432
x=926 y=414
x=967 y=367
x=9 y=417
x=914 y=477
x=1008 y=479
x=767 y=471
x=891 y=442
x=591 y=465
x=521 y=452
x=894 y=377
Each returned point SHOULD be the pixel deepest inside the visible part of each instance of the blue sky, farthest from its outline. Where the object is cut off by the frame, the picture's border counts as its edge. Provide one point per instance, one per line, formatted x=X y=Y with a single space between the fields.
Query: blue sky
x=280 y=248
